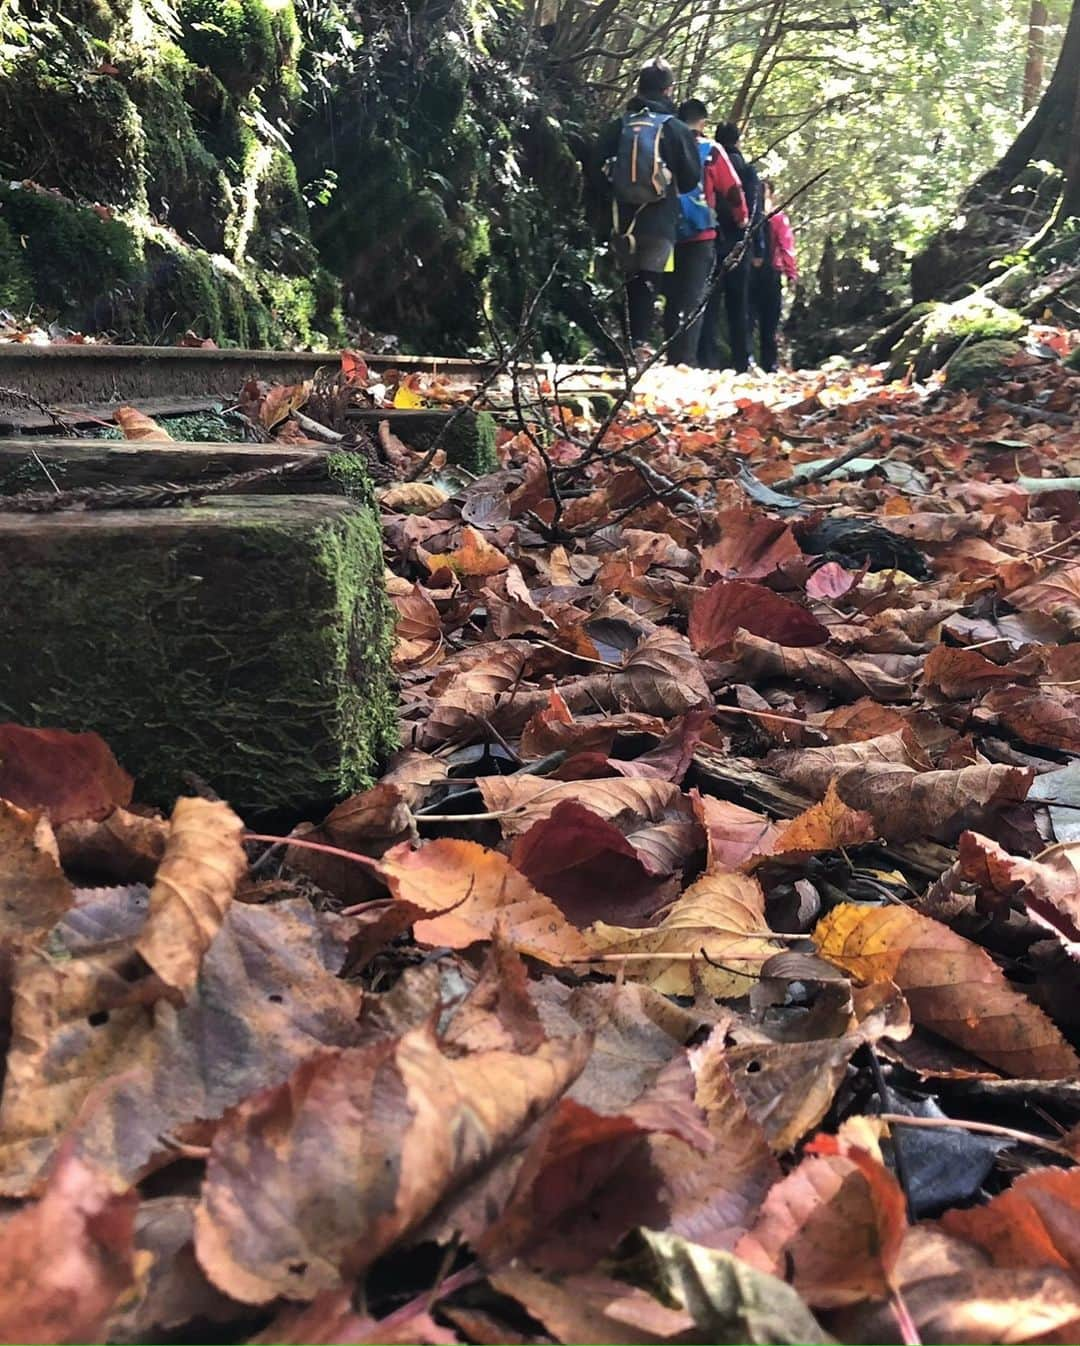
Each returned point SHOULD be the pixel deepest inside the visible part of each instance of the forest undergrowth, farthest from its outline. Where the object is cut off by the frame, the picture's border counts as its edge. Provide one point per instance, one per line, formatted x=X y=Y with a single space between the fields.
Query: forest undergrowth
x=702 y=968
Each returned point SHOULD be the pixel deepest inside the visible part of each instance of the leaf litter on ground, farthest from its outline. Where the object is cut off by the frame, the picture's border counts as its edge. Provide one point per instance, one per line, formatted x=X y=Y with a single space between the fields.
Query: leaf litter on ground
x=702 y=968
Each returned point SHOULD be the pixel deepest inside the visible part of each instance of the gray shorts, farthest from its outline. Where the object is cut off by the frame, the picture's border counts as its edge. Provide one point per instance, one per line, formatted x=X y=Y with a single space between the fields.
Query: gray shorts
x=651 y=253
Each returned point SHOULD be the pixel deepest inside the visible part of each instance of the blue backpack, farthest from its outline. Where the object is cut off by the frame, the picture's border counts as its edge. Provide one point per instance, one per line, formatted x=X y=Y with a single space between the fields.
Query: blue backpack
x=695 y=213
x=638 y=174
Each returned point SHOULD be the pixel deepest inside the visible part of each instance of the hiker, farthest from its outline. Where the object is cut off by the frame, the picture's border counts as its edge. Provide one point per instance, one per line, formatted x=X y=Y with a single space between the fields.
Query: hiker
x=733 y=246
x=695 y=248
x=649 y=157
x=771 y=264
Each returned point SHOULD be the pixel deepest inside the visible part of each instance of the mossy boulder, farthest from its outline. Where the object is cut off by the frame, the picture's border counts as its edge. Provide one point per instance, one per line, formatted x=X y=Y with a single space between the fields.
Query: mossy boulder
x=470 y=443
x=933 y=338
x=81 y=263
x=16 y=285
x=979 y=362
x=247 y=640
x=248 y=44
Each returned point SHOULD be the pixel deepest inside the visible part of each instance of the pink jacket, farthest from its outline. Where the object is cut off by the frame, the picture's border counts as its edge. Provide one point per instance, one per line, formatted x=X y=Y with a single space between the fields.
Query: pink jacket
x=782 y=247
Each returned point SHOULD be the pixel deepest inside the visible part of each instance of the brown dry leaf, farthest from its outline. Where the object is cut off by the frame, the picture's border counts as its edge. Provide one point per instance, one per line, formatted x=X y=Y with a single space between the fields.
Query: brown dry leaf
x=195 y=883
x=751 y=546
x=764 y=659
x=663 y=676
x=365 y=824
x=465 y=890
x=100 y=1055
x=953 y=987
x=1048 y=888
x=957 y=673
x=330 y=1318
x=654 y=816
x=721 y=917
x=307 y=1184
x=729 y=605
x=125 y=847
x=66 y=775
x=589 y=1308
x=281 y=401
x=1048 y=718
x=863 y=719
x=956 y=1297
x=834 y=1226
x=34 y=895
x=418 y=637
x=412 y=497
x=135 y=425
x=1056 y=594
x=65 y=1260
x=1036 y=1223
x=903 y=802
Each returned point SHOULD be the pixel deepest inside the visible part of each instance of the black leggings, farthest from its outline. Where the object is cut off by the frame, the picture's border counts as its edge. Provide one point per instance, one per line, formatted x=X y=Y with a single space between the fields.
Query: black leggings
x=766 y=301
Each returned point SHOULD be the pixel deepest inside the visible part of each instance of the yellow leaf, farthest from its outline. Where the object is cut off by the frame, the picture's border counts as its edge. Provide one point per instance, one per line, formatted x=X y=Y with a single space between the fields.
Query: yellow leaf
x=406 y=399
x=718 y=916
x=413 y=497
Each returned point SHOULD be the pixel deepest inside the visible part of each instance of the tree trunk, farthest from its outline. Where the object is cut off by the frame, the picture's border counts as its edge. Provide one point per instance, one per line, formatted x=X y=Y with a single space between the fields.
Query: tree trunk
x=1035 y=64
x=1046 y=136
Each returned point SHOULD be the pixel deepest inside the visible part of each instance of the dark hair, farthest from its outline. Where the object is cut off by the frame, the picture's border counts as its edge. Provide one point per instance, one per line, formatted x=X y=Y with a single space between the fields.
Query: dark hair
x=693 y=110
x=728 y=134
x=655 y=77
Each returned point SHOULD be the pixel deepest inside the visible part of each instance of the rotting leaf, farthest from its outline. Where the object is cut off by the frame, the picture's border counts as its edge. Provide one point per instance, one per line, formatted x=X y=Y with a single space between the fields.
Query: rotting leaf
x=67 y=775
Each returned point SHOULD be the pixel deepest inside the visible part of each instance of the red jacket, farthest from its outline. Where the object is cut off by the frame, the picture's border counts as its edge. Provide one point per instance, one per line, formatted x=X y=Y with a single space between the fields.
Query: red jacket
x=721 y=184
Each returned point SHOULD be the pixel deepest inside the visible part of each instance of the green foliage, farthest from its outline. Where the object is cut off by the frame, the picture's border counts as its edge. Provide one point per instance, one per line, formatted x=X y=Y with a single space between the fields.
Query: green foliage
x=1073 y=359
x=978 y=363
x=247 y=44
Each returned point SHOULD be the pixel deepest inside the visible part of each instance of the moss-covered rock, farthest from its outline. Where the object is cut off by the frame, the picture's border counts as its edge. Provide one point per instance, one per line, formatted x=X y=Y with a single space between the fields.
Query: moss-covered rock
x=248 y=44
x=79 y=134
x=82 y=264
x=16 y=284
x=247 y=641
x=979 y=362
x=470 y=443
x=933 y=338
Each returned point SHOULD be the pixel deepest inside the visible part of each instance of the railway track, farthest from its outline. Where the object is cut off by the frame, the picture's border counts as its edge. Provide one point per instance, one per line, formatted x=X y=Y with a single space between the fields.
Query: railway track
x=85 y=382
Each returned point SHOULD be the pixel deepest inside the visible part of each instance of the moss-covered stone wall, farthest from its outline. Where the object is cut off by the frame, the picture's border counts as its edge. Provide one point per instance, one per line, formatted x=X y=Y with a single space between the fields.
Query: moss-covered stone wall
x=241 y=167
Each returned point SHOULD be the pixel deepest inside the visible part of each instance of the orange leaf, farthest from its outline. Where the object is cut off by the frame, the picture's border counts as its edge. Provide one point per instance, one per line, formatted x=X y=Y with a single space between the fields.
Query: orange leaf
x=135 y=425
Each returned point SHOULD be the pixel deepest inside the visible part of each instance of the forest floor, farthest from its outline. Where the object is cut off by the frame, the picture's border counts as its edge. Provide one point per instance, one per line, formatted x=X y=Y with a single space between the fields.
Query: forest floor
x=701 y=969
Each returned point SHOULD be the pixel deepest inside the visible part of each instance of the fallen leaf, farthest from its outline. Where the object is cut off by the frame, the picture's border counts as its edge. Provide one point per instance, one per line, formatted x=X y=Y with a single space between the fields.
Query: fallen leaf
x=1049 y=889
x=465 y=889
x=730 y=605
x=836 y=1224
x=67 y=1258
x=195 y=883
x=751 y=546
x=714 y=935
x=281 y=401
x=735 y=834
x=67 y=775
x=953 y=987
x=122 y=846
x=34 y=894
x=413 y=497
x=307 y=1184
x=654 y=816
x=134 y=425
x=1036 y=1223
x=827 y=826
x=475 y=557
x=418 y=637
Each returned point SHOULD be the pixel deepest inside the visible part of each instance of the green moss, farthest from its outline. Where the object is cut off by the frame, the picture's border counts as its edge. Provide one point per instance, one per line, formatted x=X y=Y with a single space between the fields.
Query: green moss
x=83 y=137
x=932 y=339
x=16 y=285
x=234 y=640
x=470 y=443
x=81 y=265
x=978 y=363
x=303 y=311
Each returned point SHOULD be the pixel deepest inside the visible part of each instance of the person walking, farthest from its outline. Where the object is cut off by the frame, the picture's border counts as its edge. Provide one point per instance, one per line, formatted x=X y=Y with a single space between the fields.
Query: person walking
x=774 y=263
x=649 y=157
x=695 y=248
x=729 y=297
